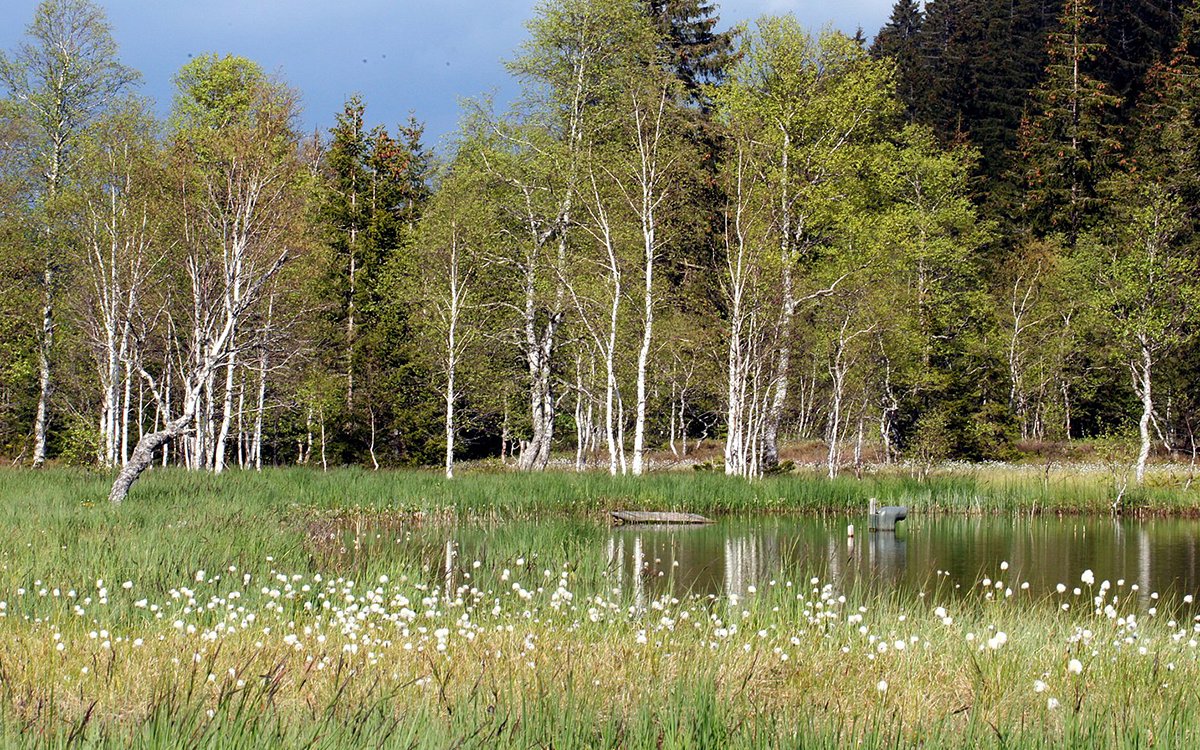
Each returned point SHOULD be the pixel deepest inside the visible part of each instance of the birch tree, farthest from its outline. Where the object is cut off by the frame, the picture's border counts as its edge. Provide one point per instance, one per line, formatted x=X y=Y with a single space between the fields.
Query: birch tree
x=937 y=316
x=239 y=197
x=1147 y=294
x=63 y=77
x=645 y=159
x=451 y=244
x=119 y=215
x=536 y=155
x=807 y=107
x=744 y=286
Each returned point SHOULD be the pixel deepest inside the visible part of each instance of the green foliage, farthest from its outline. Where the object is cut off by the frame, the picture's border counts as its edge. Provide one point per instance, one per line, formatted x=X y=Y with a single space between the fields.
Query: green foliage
x=699 y=55
x=62 y=77
x=81 y=444
x=372 y=196
x=943 y=234
x=900 y=40
x=215 y=92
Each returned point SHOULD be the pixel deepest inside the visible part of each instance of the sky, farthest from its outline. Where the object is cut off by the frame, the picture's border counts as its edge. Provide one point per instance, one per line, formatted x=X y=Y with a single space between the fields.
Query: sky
x=403 y=56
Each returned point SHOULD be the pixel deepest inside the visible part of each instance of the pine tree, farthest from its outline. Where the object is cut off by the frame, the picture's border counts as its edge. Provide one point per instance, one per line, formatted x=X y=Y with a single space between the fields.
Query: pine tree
x=1067 y=144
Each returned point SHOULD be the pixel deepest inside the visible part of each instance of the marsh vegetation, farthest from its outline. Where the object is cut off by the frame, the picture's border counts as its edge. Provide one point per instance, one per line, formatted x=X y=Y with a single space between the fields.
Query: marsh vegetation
x=304 y=609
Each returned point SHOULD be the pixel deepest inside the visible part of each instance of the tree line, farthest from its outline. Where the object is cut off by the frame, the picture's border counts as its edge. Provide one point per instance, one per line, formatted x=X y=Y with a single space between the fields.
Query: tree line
x=975 y=233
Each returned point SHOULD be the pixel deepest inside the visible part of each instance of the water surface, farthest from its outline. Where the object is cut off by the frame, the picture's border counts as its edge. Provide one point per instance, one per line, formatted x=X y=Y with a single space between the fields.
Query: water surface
x=732 y=555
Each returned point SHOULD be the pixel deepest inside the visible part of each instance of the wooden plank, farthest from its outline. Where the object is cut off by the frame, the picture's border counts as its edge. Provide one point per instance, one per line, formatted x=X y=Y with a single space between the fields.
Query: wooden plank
x=645 y=516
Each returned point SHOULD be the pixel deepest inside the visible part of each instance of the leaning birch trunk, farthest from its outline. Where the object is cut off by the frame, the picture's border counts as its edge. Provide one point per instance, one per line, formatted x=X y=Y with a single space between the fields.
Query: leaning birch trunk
x=212 y=357
x=143 y=453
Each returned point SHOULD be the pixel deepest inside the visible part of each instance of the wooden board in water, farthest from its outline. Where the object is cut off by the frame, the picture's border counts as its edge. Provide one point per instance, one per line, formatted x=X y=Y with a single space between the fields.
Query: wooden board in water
x=646 y=516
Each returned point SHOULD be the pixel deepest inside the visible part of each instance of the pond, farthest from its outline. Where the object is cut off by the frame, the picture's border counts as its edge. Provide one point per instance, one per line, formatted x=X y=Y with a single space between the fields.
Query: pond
x=1152 y=557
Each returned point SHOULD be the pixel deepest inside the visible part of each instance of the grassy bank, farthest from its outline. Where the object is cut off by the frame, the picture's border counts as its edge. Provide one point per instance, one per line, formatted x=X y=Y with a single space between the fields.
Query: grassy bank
x=510 y=495
x=253 y=610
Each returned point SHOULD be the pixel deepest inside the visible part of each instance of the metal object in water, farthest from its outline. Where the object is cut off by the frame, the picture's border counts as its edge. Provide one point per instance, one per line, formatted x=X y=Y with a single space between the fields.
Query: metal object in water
x=886 y=517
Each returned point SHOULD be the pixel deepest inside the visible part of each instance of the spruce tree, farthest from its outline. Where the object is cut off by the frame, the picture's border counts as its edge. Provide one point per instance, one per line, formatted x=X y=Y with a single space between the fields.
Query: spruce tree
x=1166 y=147
x=374 y=190
x=1138 y=34
x=697 y=53
x=700 y=57
x=900 y=39
x=347 y=216
x=1067 y=143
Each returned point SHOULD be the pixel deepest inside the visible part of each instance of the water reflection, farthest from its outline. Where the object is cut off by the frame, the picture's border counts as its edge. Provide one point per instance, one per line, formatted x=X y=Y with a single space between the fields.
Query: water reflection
x=729 y=557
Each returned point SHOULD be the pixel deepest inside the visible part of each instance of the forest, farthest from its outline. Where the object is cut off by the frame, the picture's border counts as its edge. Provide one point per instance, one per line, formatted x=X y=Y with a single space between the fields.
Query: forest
x=969 y=235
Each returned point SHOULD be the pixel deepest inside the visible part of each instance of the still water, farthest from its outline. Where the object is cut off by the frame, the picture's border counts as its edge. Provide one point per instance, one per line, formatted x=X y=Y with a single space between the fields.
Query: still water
x=728 y=557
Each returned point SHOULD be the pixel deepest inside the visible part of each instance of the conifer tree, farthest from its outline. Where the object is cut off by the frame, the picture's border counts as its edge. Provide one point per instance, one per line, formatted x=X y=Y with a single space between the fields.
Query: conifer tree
x=374 y=192
x=980 y=59
x=1068 y=142
x=900 y=39
x=1166 y=147
x=347 y=214
x=697 y=53
x=1138 y=34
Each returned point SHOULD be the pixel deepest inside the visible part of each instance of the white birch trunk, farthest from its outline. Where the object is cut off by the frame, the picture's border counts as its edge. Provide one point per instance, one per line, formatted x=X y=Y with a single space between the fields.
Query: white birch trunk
x=1142 y=385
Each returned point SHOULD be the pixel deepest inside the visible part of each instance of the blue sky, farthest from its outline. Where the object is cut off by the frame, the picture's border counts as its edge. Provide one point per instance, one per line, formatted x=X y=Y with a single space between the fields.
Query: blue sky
x=401 y=55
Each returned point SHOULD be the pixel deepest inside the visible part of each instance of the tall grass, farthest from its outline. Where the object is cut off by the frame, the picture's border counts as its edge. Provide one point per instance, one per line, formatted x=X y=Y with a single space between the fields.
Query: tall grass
x=511 y=495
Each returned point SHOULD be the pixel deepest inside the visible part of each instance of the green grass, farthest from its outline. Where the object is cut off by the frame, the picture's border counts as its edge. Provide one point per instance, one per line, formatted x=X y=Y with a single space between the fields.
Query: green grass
x=512 y=495
x=544 y=648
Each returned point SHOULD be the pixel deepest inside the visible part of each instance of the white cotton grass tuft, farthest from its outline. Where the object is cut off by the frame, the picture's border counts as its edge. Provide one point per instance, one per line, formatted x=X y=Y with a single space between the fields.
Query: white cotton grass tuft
x=1075 y=666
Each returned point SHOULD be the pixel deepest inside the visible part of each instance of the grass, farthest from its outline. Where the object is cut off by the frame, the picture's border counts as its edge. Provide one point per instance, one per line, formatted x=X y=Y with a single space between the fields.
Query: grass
x=511 y=495
x=256 y=610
